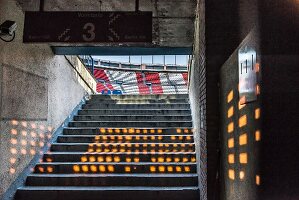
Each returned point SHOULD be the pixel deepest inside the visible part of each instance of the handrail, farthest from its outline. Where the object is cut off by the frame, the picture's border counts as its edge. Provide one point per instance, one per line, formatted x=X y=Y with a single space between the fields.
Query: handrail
x=73 y=65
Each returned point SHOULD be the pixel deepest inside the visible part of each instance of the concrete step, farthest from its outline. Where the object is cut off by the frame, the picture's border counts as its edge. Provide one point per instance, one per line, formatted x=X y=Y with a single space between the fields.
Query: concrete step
x=118 y=168
x=125 y=131
x=110 y=180
x=135 y=112
x=132 y=118
x=123 y=124
x=134 y=97
x=124 y=147
x=137 y=106
x=119 y=157
x=136 y=101
x=107 y=193
x=125 y=139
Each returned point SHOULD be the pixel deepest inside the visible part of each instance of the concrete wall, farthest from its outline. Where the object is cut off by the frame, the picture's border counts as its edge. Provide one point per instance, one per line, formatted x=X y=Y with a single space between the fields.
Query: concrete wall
x=271 y=172
x=197 y=92
x=279 y=24
x=222 y=26
x=280 y=117
x=239 y=177
x=172 y=22
x=38 y=91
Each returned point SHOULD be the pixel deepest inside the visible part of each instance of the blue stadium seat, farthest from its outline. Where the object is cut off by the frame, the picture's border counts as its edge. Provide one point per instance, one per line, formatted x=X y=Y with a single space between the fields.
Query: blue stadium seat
x=117 y=92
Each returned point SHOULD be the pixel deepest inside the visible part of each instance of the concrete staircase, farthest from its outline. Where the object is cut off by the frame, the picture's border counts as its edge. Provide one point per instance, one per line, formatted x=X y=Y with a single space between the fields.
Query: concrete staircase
x=121 y=147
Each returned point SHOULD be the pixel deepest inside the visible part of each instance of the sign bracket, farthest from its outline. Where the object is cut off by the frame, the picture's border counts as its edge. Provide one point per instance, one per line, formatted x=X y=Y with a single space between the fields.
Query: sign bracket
x=137 y=6
x=41 y=5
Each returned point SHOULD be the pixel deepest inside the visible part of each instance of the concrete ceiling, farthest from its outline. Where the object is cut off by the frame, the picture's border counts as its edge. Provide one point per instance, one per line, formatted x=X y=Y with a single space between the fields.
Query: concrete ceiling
x=173 y=20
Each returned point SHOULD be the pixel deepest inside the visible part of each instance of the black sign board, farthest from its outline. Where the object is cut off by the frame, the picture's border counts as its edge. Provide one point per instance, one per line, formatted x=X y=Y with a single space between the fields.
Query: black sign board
x=88 y=27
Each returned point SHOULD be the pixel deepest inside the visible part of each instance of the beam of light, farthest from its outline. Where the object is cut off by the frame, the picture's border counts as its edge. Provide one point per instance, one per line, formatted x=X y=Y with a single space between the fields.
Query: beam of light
x=93 y=168
x=187 y=169
x=178 y=169
x=152 y=168
x=41 y=127
x=242 y=175
x=102 y=168
x=230 y=112
x=50 y=169
x=110 y=168
x=230 y=96
x=231 y=174
x=257 y=67
x=243 y=139
x=257 y=113
x=32 y=152
x=13 y=160
x=85 y=168
x=12 y=170
x=257 y=180
x=13 y=131
x=231 y=158
x=24 y=133
x=13 y=151
x=100 y=159
x=231 y=143
x=257 y=135
x=92 y=159
x=179 y=130
x=230 y=127
x=13 y=141
x=127 y=169
x=243 y=158
x=258 y=89
x=161 y=168
x=170 y=169
x=243 y=121
x=24 y=124
x=14 y=122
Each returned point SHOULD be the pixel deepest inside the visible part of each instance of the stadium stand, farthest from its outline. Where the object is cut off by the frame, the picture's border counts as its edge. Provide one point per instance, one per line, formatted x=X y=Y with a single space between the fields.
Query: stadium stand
x=140 y=82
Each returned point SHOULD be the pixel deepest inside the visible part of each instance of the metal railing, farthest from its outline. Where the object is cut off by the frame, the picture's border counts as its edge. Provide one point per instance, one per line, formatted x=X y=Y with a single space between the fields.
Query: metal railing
x=90 y=63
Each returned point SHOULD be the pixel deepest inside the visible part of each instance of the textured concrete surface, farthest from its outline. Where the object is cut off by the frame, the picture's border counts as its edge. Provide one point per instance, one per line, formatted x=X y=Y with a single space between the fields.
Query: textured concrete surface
x=24 y=94
x=197 y=97
x=271 y=171
x=38 y=91
x=172 y=24
x=87 y=80
x=244 y=181
x=222 y=26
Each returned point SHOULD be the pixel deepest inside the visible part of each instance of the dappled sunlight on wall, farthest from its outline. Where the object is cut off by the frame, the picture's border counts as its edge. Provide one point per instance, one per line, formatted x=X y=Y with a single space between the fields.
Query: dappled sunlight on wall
x=241 y=134
x=242 y=138
x=26 y=140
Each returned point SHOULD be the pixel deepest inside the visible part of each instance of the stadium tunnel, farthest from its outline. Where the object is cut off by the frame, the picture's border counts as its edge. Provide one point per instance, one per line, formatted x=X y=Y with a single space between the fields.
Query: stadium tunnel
x=241 y=82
